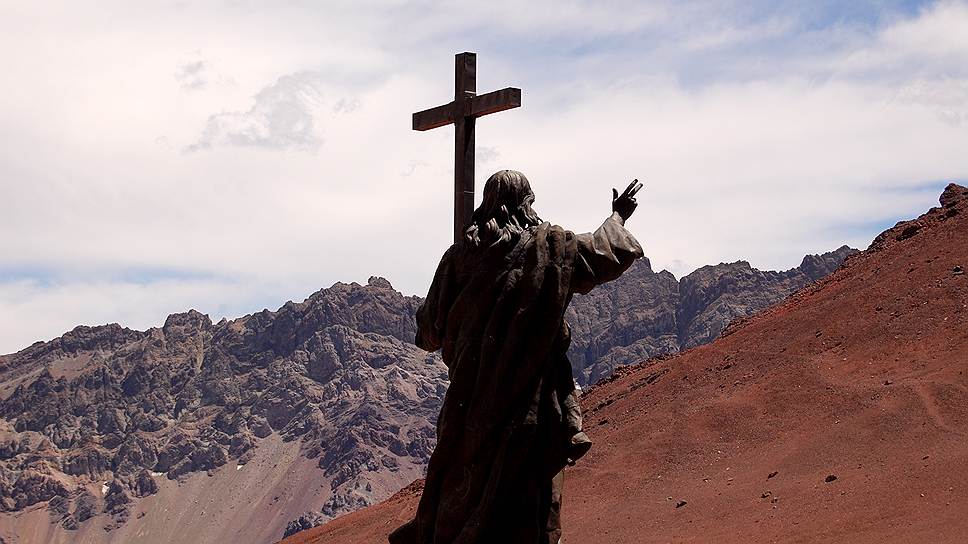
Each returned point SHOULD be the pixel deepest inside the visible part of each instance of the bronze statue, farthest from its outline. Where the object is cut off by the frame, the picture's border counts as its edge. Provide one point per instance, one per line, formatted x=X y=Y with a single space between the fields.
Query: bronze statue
x=510 y=421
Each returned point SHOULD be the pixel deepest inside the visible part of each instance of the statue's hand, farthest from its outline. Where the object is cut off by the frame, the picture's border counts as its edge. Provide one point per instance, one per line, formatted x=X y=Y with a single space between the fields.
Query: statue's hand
x=625 y=203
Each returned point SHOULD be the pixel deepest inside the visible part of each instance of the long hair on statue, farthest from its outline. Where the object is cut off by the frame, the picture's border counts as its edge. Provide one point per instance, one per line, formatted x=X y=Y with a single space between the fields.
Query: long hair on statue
x=505 y=211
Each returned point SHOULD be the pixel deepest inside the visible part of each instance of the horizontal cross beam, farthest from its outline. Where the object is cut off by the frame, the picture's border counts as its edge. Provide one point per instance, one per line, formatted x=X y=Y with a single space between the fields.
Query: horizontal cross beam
x=493 y=102
x=477 y=106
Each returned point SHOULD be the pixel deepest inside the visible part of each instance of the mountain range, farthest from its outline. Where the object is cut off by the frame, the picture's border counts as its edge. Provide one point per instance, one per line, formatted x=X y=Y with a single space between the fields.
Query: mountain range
x=258 y=427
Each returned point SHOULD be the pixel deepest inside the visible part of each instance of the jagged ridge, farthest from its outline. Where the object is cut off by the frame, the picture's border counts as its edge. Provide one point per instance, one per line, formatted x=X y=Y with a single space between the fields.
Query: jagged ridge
x=645 y=314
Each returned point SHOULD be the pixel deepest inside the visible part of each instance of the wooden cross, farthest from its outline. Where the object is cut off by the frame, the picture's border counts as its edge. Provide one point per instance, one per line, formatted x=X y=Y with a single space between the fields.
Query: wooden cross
x=463 y=112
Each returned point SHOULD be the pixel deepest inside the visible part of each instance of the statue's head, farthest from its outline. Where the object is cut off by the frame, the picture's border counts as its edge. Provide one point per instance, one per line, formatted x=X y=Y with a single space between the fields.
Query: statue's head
x=505 y=211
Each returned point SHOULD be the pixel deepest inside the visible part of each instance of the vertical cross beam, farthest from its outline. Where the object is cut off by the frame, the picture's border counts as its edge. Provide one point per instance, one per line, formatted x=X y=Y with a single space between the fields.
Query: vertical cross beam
x=465 y=89
x=463 y=113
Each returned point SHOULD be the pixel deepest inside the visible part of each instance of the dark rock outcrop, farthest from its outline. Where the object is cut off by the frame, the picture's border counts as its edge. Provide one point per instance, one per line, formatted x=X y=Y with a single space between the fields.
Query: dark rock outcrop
x=85 y=507
x=33 y=486
x=953 y=194
x=306 y=521
x=950 y=198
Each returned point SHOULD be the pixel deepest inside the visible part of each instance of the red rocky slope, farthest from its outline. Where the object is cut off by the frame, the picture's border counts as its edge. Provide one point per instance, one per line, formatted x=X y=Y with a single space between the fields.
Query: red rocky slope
x=840 y=415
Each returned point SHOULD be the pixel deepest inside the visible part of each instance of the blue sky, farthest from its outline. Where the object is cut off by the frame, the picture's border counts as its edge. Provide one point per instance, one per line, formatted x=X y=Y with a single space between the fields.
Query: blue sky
x=230 y=156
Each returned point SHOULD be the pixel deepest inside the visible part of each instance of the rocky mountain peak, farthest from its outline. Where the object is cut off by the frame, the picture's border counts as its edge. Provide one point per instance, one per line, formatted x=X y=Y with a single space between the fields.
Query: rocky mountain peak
x=818 y=266
x=379 y=282
x=84 y=338
x=191 y=320
x=953 y=194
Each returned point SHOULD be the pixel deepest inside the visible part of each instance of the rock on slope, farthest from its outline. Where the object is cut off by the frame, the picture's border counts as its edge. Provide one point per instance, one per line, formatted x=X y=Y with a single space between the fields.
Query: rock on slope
x=644 y=314
x=97 y=420
x=840 y=415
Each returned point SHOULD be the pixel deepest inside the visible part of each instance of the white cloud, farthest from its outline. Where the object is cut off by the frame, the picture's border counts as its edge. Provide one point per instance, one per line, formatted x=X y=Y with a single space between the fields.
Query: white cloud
x=283 y=116
x=760 y=138
x=192 y=75
x=947 y=98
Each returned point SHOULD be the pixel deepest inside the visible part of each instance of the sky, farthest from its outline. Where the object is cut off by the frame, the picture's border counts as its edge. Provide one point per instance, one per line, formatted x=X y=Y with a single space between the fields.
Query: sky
x=230 y=156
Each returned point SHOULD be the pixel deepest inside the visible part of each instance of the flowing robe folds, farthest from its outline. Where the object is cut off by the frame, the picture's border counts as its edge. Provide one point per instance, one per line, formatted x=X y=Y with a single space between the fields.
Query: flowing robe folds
x=497 y=314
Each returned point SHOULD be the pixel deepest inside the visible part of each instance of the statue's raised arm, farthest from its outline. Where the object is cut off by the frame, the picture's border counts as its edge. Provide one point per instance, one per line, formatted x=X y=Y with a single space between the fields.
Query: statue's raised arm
x=605 y=254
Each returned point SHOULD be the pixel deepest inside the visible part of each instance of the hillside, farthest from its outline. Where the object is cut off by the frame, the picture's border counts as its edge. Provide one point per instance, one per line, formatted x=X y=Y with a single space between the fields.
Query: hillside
x=839 y=415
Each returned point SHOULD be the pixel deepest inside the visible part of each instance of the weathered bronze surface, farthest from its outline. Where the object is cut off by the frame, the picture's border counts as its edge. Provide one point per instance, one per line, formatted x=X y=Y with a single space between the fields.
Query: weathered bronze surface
x=510 y=421
x=463 y=113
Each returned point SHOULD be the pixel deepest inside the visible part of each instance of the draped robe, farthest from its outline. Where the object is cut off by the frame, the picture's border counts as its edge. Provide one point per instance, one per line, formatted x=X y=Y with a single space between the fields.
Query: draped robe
x=497 y=314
